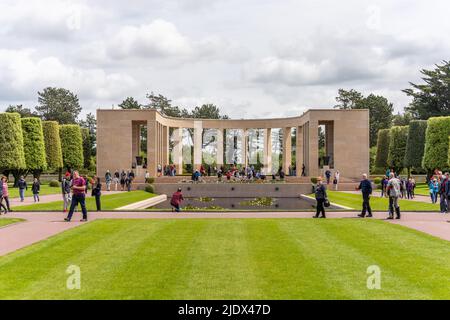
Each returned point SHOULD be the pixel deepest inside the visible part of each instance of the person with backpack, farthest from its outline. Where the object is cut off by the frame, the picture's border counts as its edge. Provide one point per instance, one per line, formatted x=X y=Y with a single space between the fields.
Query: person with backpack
x=22 y=184
x=36 y=188
x=176 y=200
x=321 y=198
x=97 y=192
x=65 y=190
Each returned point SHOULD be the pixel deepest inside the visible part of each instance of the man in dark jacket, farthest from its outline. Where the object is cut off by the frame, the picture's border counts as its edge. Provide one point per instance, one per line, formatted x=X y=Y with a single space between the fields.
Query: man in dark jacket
x=321 y=197
x=22 y=184
x=366 y=189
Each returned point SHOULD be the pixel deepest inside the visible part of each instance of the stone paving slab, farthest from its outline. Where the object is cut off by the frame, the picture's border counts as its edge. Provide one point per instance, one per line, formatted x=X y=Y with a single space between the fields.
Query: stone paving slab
x=42 y=225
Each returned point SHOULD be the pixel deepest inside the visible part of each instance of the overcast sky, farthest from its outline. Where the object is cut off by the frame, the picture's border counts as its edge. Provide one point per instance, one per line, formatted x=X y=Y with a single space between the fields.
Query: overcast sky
x=252 y=58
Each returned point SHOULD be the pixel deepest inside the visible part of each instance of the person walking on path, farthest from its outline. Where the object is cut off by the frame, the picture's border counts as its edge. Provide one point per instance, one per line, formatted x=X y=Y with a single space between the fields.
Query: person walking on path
x=328 y=176
x=394 y=191
x=22 y=184
x=116 y=179
x=321 y=198
x=5 y=193
x=337 y=176
x=78 y=196
x=65 y=190
x=366 y=189
x=108 y=179
x=35 y=188
x=443 y=193
x=433 y=186
x=2 y=206
x=176 y=200
x=384 y=183
x=97 y=192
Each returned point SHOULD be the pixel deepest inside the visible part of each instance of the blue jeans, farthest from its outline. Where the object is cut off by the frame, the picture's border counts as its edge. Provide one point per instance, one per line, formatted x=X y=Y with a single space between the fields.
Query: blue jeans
x=36 y=197
x=443 y=203
x=78 y=199
x=22 y=194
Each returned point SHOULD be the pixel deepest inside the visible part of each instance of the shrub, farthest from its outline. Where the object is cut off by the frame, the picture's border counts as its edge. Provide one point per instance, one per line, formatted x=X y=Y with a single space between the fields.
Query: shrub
x=377 y=181
x=314 y=180
x=72 y=146
x=12 y=155
x=397 y=147
x=150 y=188
x=52 y=143
x=54 y=183
x=150 y=180
x=381 y=159
x=33 y=144
x=436 y=143
x=415 y=144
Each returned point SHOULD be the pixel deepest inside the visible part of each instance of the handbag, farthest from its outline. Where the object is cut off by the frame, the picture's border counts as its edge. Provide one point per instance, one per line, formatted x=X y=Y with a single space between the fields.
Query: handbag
x=326 y=204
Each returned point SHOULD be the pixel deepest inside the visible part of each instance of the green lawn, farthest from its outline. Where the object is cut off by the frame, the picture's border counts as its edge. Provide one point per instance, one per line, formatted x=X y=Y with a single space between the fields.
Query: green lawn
x=231 y=259
x=6 y=221
x=377 y=203
x=45 y=189
x=422 y=189
x=109 y=202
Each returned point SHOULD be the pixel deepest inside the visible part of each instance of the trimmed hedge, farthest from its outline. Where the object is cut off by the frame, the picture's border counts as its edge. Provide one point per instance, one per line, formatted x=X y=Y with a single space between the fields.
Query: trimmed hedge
x=150 y=188
x=53 y=183
x=12 y=155
x=52 y=140
x=397 y=147
x=381 y=159
x=72 y=146
x=33 y=144
x=436 y=143
x=415 y=145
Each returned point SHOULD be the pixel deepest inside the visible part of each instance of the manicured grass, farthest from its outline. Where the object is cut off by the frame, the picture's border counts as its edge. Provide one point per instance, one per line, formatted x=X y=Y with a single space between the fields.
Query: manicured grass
x=6 y=221
x=422 y=189
x=45 y=189
x=377 y=203
x=109 y=202
x=231 y=259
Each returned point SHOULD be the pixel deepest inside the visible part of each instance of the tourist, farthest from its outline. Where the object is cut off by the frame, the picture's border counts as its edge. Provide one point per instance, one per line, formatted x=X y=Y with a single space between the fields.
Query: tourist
x=328 y=175
x=116 y=179
x=123 y=177
x=22 y=184
x=159 y=169
x=5 y=193
x=337 y=176
x=409 y=188
x=366 y=189
x=35 y=188
x=78 y=196
x=65 y=189
x=2 y=206
x=443 y=190
x=394 y=190
x=97 y=192
x=303 y=170
x=108 y=179
x=321 y=198
x=128 y=181
x=384 y=183
x=176 y=200
x=433 y=186
x=147 y=177
x=413 y=182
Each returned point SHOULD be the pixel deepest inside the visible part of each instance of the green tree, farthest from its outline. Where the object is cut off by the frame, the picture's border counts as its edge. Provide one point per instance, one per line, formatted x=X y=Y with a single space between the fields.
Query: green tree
x=416 y=144
x=397 y=147
x=52 y=140
x=130 y=103
x=72 y=146
x=33 y=145
x=383 y=141
x=380 y=110
x=91 y=124
x=431 y=99
x=12 y=155
x=402 y=119
x=436 y=143
x=87 y=147
x=164 y=106
x=207 y=111
x=58 y=104
x=20 y=109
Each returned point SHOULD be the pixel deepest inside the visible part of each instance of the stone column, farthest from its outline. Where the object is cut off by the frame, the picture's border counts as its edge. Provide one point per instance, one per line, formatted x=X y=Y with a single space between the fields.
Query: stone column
x=245 y=147
x=329 y=142
x=219 y=156
x=165 y=145
x=177 y=152
x=268 y=150
x=198 y=133
x=313 y=162
x=299 y=151
x=152 y=147
x=287 y=149
x=135 y=143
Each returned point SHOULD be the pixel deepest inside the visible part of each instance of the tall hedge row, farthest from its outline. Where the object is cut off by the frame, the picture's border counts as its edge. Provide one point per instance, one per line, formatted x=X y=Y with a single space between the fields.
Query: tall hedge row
x=53 y=150
x=397 y=147
x=381 y=160
x=415 y=144
x=12 y=155
x=33 y=144
x=436 y=143
x=72 y=146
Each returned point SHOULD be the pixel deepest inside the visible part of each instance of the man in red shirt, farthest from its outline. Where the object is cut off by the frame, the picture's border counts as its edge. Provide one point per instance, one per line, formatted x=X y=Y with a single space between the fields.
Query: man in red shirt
x=177 y=197
x=78 y=196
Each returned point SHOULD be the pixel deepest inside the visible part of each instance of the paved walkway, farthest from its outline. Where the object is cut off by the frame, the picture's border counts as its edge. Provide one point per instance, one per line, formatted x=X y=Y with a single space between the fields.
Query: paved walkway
x=417 y=198
x=41 y=225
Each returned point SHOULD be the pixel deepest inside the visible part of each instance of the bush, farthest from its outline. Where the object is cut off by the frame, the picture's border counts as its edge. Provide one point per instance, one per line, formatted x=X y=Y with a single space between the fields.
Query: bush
x=381 y=159
x=150 y=180
x=12 y=155
x=377 y=181
x=72 y=146
x=415 y=144
x=150 y=188
x=52 y=143
x=397 y=147
x=314 y=180
x=33 y=144
x=436 y=143
x=54 y=183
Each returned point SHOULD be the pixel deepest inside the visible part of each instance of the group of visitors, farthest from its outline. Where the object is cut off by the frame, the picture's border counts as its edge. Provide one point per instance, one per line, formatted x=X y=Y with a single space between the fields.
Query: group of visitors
x=124 y=178
x=166 y=170
x=408 y=185
x=439 y=185
x=336 y=178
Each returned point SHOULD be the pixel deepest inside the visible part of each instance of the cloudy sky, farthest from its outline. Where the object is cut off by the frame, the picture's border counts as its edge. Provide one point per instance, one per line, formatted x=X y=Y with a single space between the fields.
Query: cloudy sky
x=253 y=58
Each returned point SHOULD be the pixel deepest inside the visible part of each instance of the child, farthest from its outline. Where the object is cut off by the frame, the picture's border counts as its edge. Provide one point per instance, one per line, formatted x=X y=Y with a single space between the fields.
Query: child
x=36 y=188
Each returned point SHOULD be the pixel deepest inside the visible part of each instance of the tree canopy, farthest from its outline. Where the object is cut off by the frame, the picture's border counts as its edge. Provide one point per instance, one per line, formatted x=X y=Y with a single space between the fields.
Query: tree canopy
x=52 y=140
x=72 y=146
x=436 y=143
x=20 y=109
x=130 y=103
x=415 y=144
x=383 y=141
x=397 y=147
x=33 y=145
x=12 y=155
x=58 y=104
